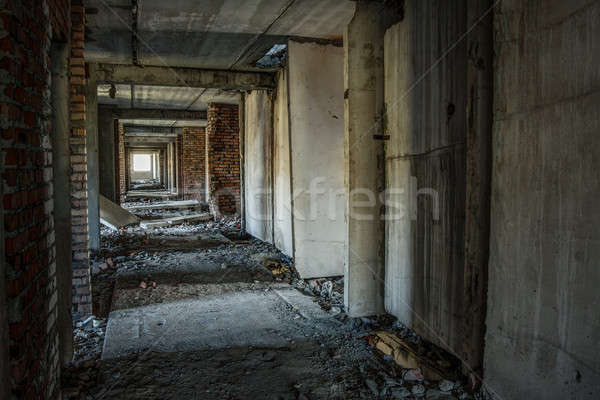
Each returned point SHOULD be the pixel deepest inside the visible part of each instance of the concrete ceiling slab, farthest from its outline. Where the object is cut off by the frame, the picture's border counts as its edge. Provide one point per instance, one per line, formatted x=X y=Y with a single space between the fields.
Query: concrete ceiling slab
x=122 y=95
x=212 y=34
x=179 y=98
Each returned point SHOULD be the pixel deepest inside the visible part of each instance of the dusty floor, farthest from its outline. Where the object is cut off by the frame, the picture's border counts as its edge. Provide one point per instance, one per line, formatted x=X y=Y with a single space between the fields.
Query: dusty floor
x=306 y=350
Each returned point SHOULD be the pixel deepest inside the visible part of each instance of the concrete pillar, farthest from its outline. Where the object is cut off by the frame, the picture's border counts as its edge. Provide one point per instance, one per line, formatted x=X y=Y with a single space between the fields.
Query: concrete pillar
x=93 y=179
x=364 y=160
x=162 y=167
x=155 y=165
x=172 y=172
x=106 y=137
x=61 y=165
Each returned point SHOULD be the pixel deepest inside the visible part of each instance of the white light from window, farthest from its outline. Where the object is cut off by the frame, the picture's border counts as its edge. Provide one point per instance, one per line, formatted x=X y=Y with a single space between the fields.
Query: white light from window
x=142 y=162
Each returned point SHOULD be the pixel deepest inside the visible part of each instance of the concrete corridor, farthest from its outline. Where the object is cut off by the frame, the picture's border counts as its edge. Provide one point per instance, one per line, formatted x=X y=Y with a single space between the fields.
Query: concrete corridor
x=299 y=199
x=203 y=311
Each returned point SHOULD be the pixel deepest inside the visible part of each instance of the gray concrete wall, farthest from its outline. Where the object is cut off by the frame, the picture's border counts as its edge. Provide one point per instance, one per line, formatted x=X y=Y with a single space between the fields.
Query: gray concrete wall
x=258 y=171
x=363 y=109
x=106 y=141
x=316 y=112
x=425 y=96
x=282 y=178
x=543 y=324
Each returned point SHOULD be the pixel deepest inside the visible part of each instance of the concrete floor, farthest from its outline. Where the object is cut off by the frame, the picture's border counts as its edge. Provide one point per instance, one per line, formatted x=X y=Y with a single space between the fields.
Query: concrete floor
x=219 y=325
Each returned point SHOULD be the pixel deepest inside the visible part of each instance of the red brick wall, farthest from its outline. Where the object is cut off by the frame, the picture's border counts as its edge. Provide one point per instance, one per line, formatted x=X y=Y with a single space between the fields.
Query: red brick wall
x=26 y=30
x=122 y=165
x=179 y=150
x=82 y=302
x=223 y=158
x=193 y=168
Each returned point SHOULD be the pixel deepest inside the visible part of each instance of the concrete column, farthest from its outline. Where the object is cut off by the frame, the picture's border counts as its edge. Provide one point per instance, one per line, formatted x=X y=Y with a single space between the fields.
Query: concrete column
x=155 y=160
x=172 y=169
x=93 y=178
x=162 y=167
x=364 y=160
x=106 y=136
x=61 y=165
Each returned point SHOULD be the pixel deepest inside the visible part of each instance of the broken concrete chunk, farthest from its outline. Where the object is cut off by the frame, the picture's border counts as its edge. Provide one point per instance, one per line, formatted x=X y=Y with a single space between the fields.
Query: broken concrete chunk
x=165 y=205
x=413 y=375
x=159 y=223
x=114 y=216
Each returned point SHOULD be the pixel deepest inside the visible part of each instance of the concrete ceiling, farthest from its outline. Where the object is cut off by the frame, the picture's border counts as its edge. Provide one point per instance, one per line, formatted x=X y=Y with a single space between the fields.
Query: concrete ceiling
x=212 y=34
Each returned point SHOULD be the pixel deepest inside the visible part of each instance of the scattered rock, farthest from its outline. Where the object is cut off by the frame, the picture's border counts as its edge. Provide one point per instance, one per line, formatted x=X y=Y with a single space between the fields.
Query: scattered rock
x=413 y=375
x=446 y=385
x=418 y=390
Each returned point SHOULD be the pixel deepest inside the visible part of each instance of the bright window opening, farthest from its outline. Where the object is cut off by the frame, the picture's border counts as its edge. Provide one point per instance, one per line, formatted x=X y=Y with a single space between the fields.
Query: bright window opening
x=142 y=162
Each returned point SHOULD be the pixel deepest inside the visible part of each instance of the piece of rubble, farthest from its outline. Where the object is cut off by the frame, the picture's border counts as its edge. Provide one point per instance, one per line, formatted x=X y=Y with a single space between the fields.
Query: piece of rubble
x=390 y=344
x=114 y=216
x=160 y=223
x=418 y=390
x=413 y=375
x=164 y=205
x=400 y=393
x=446 y=385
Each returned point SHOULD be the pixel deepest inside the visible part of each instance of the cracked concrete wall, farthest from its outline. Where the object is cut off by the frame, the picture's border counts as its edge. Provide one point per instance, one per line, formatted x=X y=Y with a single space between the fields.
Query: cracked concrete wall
x=316 y=90
x=282 y=178
x=258 y=170
x=425 y=166
x=543 y=324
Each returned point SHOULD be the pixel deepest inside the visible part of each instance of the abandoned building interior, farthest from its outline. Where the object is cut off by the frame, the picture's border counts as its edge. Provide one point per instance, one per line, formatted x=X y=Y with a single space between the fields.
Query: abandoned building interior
x=300 y=199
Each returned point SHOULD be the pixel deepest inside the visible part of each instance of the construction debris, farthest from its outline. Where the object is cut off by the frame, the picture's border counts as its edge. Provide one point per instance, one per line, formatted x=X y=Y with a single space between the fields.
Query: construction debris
x=140 y=194
x=391 y=345
x=163 y=205
x=421 y=360
x=115 y=217
x=176 y=220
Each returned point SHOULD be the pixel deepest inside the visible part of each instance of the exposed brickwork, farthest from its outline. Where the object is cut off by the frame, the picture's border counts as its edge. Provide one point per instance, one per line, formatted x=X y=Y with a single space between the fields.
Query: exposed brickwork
x=127 y=167
x=223 y=158
x=27 y=29
x=193 y=163
x=82 y=303
x=122 y=165
x=179 y=151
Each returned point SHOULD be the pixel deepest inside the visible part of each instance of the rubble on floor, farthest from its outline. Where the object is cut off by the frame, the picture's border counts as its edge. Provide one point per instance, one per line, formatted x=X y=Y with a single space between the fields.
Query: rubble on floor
x=115 y=217
x=323 y=354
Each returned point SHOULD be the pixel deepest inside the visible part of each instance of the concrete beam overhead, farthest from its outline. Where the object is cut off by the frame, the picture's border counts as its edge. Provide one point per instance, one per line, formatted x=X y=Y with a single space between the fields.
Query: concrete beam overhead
x=153 y=114
x=140 y=129
x=183 y=77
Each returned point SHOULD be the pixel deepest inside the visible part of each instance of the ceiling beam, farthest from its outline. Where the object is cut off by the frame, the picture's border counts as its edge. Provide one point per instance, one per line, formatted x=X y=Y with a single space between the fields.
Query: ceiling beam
x=149 y=134
x=158 y=130
x=140 y=113
x=183 y=77
x=137 y=140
